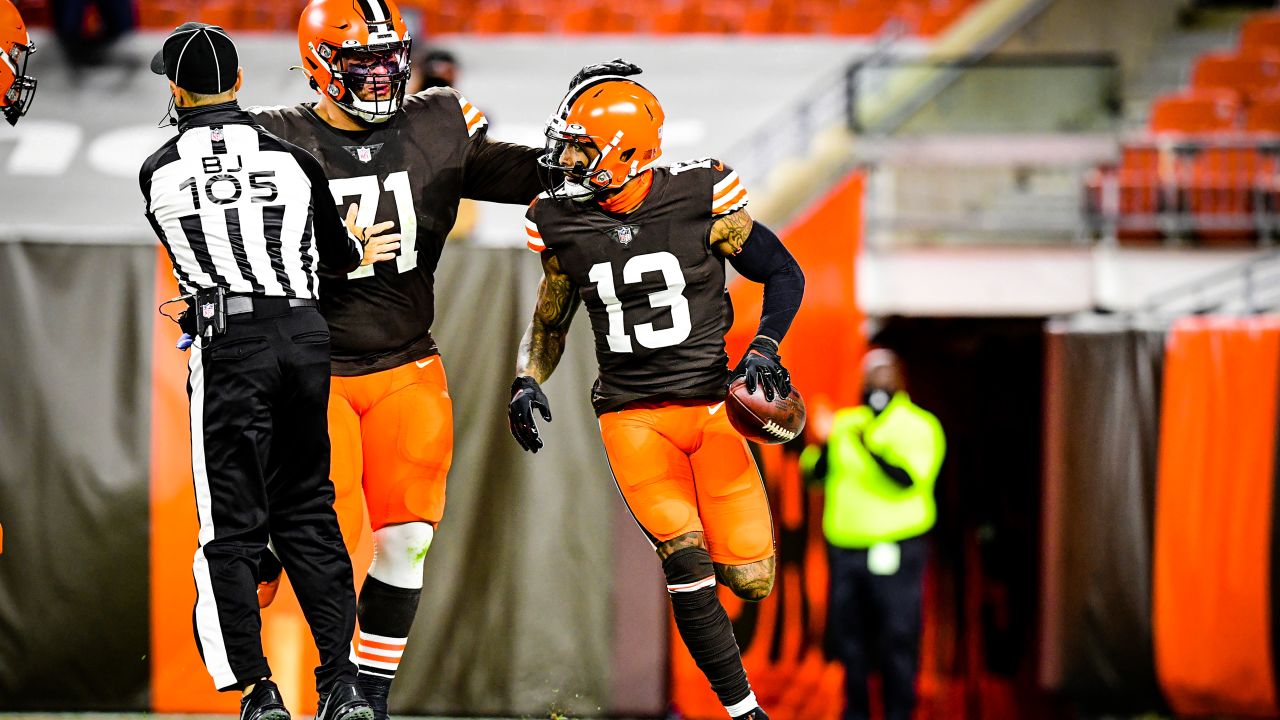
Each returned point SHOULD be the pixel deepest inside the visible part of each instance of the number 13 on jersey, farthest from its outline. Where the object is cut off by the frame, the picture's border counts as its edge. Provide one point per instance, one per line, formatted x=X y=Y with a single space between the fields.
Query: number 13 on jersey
x=367 y=189
x=670 y=297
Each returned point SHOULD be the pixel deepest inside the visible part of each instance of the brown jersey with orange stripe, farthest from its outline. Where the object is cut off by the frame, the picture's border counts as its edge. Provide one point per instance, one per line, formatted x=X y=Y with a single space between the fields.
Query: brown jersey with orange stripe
x=413 y=170
x=654 y=289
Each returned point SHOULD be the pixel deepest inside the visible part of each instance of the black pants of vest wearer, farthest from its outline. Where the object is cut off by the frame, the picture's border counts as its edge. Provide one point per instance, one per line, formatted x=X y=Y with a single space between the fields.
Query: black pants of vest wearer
x=874 y=621
x=260 y=460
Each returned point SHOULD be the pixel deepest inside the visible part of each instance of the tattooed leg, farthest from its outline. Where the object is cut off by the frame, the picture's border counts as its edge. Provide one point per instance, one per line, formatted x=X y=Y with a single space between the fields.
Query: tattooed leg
x=752 y=582
x=703 y=624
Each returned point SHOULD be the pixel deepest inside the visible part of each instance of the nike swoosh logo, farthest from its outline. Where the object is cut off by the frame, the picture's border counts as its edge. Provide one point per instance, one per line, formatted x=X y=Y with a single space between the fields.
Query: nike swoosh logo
x=424 y=363
x=714 y=408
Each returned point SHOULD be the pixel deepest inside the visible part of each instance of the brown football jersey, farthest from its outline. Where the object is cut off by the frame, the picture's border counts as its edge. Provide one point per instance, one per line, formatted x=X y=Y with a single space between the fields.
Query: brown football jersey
x=412 y=169
x=652 y=286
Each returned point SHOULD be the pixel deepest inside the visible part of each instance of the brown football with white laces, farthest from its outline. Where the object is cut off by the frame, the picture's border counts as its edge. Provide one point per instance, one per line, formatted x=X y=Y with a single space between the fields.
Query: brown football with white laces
x=762 y=421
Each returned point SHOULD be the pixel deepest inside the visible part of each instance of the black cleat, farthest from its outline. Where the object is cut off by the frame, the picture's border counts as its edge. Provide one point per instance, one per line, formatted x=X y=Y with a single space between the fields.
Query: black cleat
x=755 y=714
x=344 y=701
x=264 y=703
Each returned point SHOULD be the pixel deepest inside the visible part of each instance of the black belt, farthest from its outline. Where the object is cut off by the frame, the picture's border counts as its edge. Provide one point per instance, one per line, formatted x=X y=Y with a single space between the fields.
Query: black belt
x=241 y=304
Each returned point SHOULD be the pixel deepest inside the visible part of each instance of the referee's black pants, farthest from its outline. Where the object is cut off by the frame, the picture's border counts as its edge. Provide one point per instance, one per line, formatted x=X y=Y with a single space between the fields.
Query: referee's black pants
x=260 y=459
x=874 y=620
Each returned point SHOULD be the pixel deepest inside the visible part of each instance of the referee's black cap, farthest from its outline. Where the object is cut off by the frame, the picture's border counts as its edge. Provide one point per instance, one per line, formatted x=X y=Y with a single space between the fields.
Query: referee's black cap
x=199 y=58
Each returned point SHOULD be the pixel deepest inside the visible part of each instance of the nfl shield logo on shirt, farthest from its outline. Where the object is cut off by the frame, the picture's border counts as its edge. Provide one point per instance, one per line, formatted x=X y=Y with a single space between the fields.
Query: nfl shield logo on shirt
x=363 y=153
x=216 y=134
x=624 y=234
x=207 y=310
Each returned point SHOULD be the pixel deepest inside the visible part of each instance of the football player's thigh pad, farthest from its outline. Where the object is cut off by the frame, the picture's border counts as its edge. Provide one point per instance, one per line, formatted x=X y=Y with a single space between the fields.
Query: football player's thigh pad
x=399 y=551
x=654 y=477
x=408 y=449
x=732 y=499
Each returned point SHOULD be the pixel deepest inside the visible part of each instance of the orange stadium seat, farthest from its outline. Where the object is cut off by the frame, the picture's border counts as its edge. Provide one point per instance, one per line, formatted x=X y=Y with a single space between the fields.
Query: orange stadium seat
x=1201 y=110
x=491 y=18
x=438 y=17
x=862 y=18
x=1263 y=114
x=1219 y=192
x=761 y=19
x=1261 y=30
x=1254 y=73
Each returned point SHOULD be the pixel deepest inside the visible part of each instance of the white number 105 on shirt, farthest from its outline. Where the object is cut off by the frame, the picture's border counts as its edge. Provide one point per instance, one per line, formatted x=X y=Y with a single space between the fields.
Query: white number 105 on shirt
x=366 y=187
x=670 y=297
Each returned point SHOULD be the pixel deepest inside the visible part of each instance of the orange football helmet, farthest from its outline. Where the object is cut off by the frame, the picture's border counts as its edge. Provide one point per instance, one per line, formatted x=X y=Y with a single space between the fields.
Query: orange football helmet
x=614 y=122
x=356 y=53
x=16 y=87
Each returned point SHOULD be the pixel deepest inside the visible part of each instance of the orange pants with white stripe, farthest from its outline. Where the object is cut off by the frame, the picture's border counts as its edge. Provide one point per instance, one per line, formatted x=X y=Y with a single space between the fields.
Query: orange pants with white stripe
x=392 y=439
x=682 y=468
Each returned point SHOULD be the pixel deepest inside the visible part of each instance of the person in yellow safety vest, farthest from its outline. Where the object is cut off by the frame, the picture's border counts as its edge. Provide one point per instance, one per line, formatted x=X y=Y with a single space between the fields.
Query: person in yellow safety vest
x=879 y=465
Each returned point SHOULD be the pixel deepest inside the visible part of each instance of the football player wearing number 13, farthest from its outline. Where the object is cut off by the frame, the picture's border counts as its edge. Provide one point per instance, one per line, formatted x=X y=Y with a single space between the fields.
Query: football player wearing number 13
x=406 y=159
x=644 y=248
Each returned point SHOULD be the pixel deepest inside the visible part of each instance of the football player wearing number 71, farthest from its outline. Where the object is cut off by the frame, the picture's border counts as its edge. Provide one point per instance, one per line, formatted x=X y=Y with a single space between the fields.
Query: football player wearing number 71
x=644 y=247
x=407 y=159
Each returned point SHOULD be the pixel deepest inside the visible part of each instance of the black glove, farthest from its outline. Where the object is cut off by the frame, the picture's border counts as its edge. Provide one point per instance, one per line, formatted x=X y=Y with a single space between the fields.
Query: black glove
x=616 y=66
x=762 y=368
x=525 y=396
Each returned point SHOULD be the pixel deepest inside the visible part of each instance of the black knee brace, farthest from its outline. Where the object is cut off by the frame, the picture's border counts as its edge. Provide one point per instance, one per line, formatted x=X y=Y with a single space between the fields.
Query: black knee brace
x=703 y=623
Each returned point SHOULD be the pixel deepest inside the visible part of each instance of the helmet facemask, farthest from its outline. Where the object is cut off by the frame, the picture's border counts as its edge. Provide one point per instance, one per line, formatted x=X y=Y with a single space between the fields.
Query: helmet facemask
x=574 y=155
x=18 y=97
x=368 y=81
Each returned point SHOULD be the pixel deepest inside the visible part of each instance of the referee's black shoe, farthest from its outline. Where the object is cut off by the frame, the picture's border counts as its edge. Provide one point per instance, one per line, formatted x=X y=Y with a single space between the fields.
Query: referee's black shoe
x=263 y=703
x=344 y=701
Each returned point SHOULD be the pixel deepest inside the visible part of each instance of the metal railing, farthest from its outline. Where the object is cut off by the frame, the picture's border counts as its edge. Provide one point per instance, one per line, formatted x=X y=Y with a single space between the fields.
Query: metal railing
x=1250 y=288
x=789 y=134
x=1044 y=92
x=1182 y=188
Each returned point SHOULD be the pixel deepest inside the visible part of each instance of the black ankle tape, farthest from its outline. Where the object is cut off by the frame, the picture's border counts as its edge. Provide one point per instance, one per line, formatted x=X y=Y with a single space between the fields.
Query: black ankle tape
x=688 y=565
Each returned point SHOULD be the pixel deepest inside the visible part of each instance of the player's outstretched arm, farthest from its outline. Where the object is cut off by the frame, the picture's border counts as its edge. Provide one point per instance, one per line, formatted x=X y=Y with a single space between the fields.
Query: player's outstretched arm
x=540 y=352
x=758 y=255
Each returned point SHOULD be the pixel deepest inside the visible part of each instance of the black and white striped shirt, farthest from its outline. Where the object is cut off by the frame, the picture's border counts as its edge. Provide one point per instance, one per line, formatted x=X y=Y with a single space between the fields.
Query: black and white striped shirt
x=239 y=208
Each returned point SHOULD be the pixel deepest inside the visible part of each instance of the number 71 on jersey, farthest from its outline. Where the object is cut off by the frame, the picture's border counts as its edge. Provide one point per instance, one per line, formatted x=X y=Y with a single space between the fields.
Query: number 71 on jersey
x=367 y=188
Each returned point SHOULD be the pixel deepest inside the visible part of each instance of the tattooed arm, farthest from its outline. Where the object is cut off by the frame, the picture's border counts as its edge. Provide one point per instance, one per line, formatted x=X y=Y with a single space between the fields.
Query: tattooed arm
x=543 y=342
x=730 y=233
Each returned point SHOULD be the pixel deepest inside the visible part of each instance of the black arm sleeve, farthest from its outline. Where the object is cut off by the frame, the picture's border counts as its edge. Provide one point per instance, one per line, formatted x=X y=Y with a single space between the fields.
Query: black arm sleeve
x=818 y=474
x=339 y=252
x=895 y=473
x=764 y=259
x=501 y=172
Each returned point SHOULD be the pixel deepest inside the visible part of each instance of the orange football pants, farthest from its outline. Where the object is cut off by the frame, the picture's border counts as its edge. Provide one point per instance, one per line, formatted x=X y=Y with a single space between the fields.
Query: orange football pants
x=392 y=435
x=683 y=468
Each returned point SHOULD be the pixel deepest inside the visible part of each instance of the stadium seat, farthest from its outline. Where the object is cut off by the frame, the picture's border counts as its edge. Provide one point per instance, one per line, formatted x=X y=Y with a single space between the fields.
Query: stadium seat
x=581 y=18
x=1144 y=185
x=1219 y=191
x=1263 y=115
x=1202 y=110
x=1261 y=30
x=1142 y=196
x=1248 y=74
x=925 y=18
x=491 y=18
x=863 y=18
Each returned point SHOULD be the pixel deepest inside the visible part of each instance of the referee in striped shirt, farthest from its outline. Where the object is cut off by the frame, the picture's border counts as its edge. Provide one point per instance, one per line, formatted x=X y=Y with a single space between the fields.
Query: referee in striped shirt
x=248 y=221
